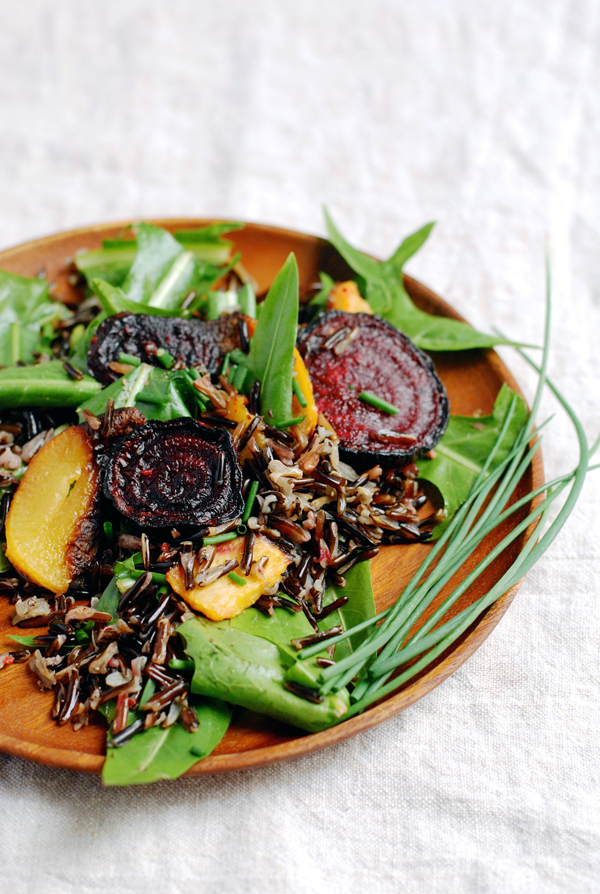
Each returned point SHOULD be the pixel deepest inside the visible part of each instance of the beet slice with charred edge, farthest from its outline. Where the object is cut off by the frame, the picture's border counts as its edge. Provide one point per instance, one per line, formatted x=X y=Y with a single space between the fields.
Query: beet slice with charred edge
x=175 y=473
x=192 y=341
x=347 y=354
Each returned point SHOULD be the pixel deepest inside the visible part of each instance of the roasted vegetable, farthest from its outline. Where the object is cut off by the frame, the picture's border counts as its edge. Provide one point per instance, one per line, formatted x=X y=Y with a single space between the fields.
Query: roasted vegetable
x=172 y=473
x=52 y=528
x=192 y=342
x=353 y=358
x=345 y=296
x=226 y=598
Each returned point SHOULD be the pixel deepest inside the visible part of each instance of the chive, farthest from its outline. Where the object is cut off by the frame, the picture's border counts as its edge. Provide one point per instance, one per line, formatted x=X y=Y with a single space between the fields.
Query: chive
x=165 y=359
x=81 y=636
x=386 y=648
x=231 y=372
x=156 y=577
x=237 y=579
x=247 y=300
x=250 y=501
x=369 y=398
x=129 y=359
x=219 y=538
x=285 y=423
x=298 y=392
x=225 y=366
x=242 y=529
x=352 y=387
x=193 y=373
x=239 y=378
x=108 y=530
x=181 y=664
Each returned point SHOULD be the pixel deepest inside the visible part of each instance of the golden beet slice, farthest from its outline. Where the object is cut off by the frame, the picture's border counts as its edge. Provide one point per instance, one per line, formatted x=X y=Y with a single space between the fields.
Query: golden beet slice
x=223 y=598
x=52 y=527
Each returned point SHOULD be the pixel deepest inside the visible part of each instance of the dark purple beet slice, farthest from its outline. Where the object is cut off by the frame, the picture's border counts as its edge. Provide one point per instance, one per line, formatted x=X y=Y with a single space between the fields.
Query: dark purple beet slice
x=373 y=356
x=175 y=473
x=191 y=341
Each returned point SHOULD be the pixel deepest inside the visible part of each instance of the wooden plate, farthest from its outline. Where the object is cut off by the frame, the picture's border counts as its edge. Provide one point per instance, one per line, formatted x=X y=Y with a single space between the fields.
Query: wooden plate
x=472 y=378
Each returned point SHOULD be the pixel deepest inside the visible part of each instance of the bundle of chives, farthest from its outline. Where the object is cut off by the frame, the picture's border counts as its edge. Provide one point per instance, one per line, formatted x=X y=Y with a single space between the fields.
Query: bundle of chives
x=386 y=649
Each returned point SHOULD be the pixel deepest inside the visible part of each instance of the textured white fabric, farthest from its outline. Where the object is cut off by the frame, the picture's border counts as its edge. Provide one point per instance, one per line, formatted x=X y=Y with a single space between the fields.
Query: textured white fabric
x=485 y=117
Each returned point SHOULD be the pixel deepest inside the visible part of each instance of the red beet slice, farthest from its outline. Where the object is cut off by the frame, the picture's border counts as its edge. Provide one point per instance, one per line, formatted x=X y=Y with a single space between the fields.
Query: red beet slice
x=175 y=473
x=191 y=341
x=350 y=353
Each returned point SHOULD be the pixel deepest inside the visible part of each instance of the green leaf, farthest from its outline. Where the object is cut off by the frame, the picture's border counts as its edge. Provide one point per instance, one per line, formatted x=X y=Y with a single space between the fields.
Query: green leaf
x=113 y=262
x=161 y=271
x=271 y=357
x=27 y=641
x=157 y=393
x=327 y=284
x=26 y=317
x=250 y=671
x=464 y=448
x=109 y=601
x=360 y=606
x=158 y=753
x=44 y=385
x=387 y=295
x=114 y=301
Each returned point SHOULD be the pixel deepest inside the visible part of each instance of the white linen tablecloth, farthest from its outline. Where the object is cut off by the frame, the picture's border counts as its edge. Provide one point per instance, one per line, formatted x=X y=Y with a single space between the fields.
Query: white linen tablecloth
x=484 y=117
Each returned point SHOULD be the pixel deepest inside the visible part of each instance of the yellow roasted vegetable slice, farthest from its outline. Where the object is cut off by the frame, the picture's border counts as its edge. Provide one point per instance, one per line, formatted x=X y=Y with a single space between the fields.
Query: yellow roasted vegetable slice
x=345 y=296
x=224 y=598
x=52 y=527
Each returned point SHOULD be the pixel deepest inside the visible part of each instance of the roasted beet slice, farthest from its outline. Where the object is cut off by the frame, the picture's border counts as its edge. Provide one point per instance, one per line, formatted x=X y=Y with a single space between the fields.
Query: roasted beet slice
x=350 y=353
x=175 y=473
x=191 y=341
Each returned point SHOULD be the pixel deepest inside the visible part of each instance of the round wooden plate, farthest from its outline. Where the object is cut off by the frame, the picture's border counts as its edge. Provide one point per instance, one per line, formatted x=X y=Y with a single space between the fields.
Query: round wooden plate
x=472 y=378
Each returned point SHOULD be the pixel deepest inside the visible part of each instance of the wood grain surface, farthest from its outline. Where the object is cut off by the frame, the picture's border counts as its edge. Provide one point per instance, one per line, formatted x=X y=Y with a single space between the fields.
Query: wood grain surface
x=472 y=379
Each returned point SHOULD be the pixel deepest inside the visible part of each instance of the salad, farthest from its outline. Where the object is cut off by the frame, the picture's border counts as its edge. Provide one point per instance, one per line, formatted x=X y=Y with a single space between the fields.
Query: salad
x=195 y=478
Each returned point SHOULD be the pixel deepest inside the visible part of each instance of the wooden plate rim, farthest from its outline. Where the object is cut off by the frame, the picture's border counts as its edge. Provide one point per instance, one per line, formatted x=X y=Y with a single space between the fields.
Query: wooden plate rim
x=305 y=744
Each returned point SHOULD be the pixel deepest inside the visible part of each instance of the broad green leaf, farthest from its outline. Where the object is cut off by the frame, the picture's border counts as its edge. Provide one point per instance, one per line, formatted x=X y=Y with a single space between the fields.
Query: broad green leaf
x=249 y=671
x=157 y=753
x=114 y=301
x=110 y=599
x=271 y=358
x=113 y=261
x=157 y=393
x=464 y=448
x=360 y=606
x=44 y=385
x=26 y=318
x=387 y=295
x=161 y=271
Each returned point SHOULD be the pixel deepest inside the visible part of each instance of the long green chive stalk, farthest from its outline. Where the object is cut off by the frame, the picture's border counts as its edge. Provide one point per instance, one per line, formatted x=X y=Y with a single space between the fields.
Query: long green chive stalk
x=389 y=645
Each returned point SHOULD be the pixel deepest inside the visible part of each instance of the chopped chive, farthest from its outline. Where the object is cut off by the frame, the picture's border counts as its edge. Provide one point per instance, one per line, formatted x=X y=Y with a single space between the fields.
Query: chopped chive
x=82 y=637
x=130 y=359
x=250 y=501
x=219 y=538
x=298 y=392
x=239 y=378
x=231 y=372
x=369 y=398
x=352 y=387
x=165 y=359
x=193 y=373
x=108 y=530
x=237 y=579
x=285 y=423
x=157 y=578
x=181 y=664
x=242 y=529
x=225 y=366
